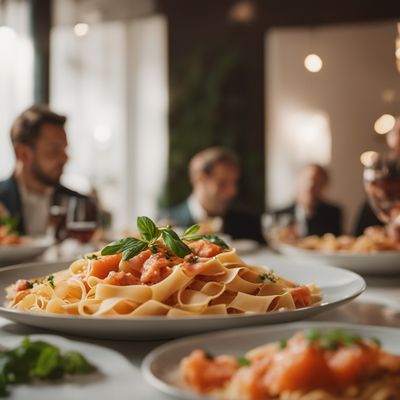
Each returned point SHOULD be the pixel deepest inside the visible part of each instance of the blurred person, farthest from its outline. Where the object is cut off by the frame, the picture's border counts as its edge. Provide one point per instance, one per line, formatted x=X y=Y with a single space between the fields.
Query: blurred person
x=214 y=175
x=311 y=213
x=366 y=217
x=40 y=144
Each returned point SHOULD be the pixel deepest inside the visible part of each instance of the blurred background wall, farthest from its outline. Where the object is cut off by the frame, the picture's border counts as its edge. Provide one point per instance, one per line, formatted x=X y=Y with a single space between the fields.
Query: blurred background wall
x=147 y=83
x=329 y=116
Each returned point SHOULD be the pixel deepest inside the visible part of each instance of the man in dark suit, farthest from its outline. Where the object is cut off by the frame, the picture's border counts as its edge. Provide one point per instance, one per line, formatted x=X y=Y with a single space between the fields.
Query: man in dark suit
x=311 y=213
x=214 y=174
x=40 y=143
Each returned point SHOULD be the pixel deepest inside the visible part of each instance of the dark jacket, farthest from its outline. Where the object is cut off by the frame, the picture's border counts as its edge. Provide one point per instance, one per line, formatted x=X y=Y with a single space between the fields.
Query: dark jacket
x=327 y=218
x=238 y=222
x=11 y=199
x=366 y=217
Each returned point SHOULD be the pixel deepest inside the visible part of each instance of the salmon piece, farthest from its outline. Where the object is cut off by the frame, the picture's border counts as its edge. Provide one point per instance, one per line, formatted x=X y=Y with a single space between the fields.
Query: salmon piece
x=135 y=264
x=203 y=248
x=22 y=284
x=353 y=364
x=194 y=265
x=300 y=366
x=301 y=296
x=204 y=374
x=104 y=265
x=155 y=268
x=121 y=279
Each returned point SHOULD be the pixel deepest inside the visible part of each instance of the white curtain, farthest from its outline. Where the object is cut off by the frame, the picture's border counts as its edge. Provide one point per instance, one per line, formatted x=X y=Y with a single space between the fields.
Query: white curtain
x=16 y=73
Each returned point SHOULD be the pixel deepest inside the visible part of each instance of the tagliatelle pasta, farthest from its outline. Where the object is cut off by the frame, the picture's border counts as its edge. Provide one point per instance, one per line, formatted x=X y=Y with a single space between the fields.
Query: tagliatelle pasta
x=219 y=284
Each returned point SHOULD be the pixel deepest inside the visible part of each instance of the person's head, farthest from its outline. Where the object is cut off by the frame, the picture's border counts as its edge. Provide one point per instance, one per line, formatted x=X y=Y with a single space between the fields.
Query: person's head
x=40 y=143
x=313 y=181
x=214 y=174
x=393 y=137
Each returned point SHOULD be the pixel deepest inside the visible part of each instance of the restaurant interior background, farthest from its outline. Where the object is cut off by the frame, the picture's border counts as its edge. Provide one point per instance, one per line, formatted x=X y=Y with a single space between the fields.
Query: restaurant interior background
x=146 y=84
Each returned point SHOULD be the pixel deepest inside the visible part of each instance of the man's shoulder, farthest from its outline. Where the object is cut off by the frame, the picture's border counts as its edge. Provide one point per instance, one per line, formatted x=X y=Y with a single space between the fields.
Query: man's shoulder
x=7 y=185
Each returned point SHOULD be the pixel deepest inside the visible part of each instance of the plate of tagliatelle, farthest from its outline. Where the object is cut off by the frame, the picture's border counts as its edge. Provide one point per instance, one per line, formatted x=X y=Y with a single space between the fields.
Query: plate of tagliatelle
x=371 y=253
x=164 y=285
x=297 y=361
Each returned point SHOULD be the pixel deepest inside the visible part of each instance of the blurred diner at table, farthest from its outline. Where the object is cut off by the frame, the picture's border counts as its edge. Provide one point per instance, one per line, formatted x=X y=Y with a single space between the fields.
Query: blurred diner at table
x=214 y=175
x=311 y=213
x=40 y=143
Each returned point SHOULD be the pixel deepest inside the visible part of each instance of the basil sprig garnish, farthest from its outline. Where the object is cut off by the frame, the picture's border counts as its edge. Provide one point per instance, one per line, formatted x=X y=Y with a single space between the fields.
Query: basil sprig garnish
x=10 y=222
x=150 y=233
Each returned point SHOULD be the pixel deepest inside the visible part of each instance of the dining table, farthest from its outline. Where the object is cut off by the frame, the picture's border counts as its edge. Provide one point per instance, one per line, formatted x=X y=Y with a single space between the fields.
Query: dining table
x=378 y=305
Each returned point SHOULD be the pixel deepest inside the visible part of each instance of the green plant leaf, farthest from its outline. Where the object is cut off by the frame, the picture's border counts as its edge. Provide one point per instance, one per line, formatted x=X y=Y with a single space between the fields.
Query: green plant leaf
x=192 y=238
x=134 y=250
x=147 y=229
x=175 y=244
x=216 y=240
x=121 y=245
x=191 y=230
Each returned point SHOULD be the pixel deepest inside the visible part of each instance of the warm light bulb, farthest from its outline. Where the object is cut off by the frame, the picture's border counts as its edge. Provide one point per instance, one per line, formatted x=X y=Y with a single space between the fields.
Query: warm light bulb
x=384 y=124
x=313 y=63
x=368 y=158
x=81 y=29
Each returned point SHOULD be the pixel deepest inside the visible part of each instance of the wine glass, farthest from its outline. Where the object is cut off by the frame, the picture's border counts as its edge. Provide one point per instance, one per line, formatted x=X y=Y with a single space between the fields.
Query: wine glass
x=82 y=218
x=278 y=227
x=382 y=185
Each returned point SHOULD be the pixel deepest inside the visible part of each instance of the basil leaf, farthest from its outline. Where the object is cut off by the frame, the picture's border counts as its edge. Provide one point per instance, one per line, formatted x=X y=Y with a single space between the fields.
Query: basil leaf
x=134 y=250
x=147 y=228
x=243 y=361
x=75 y=363
x=191 y=230
x=216 y=240
x=172 y=241
x=192 y=238
x=121 y=245
x=48 y=364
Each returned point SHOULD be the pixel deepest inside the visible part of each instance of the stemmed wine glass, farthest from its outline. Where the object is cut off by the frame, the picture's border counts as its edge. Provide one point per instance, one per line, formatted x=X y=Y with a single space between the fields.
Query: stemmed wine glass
x=82 y=218
x=382 y=185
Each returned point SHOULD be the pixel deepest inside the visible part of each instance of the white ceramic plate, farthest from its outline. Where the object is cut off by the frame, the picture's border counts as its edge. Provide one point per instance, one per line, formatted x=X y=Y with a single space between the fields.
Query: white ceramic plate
x=160 y=367
x=17 y=253
x=338 y=286
x=115 y=374
x=384 y=262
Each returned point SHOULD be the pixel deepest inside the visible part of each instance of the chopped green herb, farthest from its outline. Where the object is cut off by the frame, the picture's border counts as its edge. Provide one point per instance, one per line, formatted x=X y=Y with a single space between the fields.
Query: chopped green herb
x=312 y=334
x=243 y=361
x=92 y=257
x=270 y=276
x=332 y=339
x=377 y=341
x=50 y=279
x=154 y=249
x=10 y=222
x=282 y=344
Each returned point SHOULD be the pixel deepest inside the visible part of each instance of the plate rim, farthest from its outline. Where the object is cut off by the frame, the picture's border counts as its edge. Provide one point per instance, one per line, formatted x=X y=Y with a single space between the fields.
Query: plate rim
x=336 y=254
x=209 y=317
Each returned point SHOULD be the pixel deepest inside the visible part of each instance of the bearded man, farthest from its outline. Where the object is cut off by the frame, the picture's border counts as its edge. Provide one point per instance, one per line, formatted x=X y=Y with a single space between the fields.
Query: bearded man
x=40 y=144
